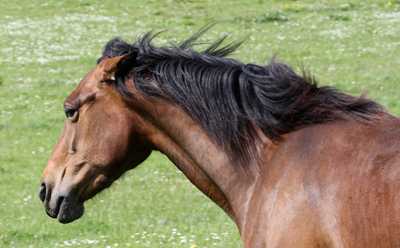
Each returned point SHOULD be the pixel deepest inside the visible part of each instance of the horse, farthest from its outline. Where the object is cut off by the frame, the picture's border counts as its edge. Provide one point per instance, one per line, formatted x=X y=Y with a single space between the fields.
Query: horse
x=293 y=164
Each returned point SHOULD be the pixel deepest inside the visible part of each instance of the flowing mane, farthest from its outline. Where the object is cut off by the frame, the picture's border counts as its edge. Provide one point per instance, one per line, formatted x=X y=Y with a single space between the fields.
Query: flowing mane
x=229 y=99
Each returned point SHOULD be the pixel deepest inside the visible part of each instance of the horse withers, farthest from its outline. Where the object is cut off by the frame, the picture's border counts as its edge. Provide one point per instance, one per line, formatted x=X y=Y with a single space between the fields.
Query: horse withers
x=293 y=164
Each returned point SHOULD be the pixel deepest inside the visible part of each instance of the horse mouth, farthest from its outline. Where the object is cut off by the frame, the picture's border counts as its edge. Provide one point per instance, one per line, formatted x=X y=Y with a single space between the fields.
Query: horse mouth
x=66 y=210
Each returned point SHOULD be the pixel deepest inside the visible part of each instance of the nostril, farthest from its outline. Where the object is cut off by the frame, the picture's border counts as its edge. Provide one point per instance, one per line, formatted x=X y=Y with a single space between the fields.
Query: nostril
x=53 y=210
x=42 y=192
x=58 y=204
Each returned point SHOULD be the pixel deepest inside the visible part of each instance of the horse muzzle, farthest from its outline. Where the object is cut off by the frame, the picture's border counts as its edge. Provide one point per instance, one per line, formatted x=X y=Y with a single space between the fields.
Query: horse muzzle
x=61 y=204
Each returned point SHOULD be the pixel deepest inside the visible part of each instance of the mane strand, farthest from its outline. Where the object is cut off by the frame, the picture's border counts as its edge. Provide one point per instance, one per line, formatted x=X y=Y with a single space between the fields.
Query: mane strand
x=229 y=99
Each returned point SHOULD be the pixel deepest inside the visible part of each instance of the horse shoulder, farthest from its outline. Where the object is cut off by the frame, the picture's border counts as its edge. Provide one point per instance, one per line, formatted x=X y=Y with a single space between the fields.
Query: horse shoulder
x=330 y=185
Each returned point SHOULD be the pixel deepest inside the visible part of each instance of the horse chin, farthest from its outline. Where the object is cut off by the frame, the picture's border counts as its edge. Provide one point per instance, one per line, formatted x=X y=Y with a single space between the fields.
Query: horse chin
x=70 y=211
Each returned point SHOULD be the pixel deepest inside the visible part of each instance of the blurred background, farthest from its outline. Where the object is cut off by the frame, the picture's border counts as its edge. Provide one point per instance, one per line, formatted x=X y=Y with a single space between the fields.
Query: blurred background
x=47 y=46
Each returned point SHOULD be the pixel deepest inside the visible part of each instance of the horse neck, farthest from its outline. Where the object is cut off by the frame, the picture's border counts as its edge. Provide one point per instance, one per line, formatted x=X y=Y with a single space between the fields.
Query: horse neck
x=204 y=163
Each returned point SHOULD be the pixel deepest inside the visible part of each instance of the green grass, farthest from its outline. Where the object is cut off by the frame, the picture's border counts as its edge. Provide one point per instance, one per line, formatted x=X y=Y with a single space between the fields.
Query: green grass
x=46 y=47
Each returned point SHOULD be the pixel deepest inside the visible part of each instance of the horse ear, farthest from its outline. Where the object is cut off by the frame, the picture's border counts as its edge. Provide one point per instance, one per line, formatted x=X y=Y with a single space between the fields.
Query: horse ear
x=110 y=66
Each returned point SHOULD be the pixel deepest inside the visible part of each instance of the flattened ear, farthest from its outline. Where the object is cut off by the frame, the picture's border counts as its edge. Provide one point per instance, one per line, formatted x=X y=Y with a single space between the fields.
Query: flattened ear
x=109 y=66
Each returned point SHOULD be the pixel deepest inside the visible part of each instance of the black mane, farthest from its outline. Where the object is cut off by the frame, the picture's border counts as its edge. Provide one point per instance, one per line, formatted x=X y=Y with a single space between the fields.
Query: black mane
x=229 y=99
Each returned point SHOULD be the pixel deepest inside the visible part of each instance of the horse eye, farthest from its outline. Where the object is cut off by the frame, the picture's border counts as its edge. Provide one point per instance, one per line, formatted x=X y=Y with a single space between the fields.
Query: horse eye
x=71 y=114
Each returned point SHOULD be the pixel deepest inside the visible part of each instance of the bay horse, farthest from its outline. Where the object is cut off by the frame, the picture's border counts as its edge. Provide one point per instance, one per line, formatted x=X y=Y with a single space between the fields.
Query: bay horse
x=292 y=163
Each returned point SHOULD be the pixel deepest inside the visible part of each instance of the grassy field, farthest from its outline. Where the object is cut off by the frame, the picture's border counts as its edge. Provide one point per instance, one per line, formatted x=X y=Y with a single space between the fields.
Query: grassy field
x=47 y=46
